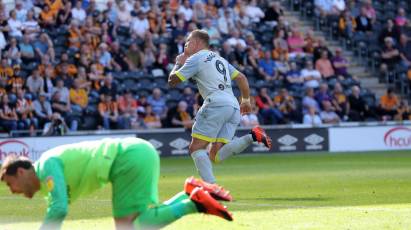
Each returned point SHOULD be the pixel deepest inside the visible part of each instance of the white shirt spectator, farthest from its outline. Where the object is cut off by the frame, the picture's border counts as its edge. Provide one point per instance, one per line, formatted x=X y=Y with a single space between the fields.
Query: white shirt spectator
x=313 y=83
x=140 y=27
x=325 y=5
x=15 y=27
x=312 y=119
x=254 y=12
x=21 y=14
x=235 y=41
x=31 y=26
x=327 y=116
x=27 y=4
x=78 y=14
x=188 y=13
x=339 y=5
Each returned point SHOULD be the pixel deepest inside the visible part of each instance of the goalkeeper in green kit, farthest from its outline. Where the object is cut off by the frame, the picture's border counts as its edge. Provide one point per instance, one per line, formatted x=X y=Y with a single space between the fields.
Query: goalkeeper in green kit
x=131 y=165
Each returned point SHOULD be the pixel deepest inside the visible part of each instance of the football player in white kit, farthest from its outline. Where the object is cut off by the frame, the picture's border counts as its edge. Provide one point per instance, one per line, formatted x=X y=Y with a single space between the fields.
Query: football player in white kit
x=220 y=114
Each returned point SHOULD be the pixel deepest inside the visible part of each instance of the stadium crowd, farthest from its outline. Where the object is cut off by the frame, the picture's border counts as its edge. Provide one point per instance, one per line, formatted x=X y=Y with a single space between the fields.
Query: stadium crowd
x=65 y=65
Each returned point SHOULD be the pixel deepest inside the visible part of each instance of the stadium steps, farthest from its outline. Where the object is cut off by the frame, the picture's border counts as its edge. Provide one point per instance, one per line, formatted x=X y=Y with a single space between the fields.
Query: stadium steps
x=364 y=74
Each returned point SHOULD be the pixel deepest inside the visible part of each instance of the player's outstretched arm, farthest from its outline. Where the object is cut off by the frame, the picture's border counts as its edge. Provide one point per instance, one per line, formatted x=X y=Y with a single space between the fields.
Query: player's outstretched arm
x=242 y=83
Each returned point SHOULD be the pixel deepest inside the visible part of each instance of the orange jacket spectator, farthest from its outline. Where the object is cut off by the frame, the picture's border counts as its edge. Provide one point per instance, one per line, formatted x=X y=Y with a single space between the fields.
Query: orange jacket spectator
x=79 y=97
x=55 y=5
x=389 y=101
x=108 y=107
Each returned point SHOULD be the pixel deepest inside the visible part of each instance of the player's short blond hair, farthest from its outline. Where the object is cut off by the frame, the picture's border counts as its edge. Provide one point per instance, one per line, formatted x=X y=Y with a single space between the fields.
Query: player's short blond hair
x=202 y=35
x=12 y=163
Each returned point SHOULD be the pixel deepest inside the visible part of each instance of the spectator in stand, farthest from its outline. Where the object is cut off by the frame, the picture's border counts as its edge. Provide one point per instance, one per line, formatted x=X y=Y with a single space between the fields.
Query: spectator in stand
x=25 y=112
x=280 y=44
x=370 y=11
x=295 y=44
x=323 y=95
x=26 y=49
x=65 y=76
x=235 y=39
x=78 y=13
x=390 y=56
x=338 y=6
x=13 y=53
x=158 y=103
x=363 y=22
x=124 y=16
x=47 y=18
x=212 y=32
x=225 y=23
x=401 y=18
x=310 y=42
x=324 y=8
x=16 y=82
x=340 y=102
x=120 y=60
x=347 y=24
x=49 y=78
x=388 y=105
x=294 y=79
x=404 y=47
x=78 y=98
x=63 y=107
x=127 y=106
x=311 y=76
x=282 y=65
x=42 y=109
x=162 y=60
x=272 y=13
x=135 y=57
x=391 y=31
x=111 y=11
x=358 y=107
x=266 y=106
x=311 y=117
x=30 y=26
x=267 y=67
x=340 y=64
x=286 y=104
x=108 y=111
x=44 y=46
x=181 y=118
x=109 y=86
x=21 y=13
x=64 y=15
x=403 y=111
x=318 y=50
x=8 y=115
x=35 y=83
x=199 y=13
x=324 y=66
x=250 y=119
x=309 y=101
x=6 y=71
x=186 y=10
x=328 y=115
x=151 y=120
x=15 y=26
x=139 y=25
x=254 y=12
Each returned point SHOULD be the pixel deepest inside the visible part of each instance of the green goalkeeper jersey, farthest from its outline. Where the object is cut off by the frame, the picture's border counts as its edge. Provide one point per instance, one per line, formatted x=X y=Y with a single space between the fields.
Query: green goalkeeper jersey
x=70 y=171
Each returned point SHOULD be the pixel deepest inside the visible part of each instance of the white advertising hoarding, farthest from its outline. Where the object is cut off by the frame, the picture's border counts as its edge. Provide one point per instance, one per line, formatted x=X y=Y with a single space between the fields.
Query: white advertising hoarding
x=370 y=138
x=33 y=147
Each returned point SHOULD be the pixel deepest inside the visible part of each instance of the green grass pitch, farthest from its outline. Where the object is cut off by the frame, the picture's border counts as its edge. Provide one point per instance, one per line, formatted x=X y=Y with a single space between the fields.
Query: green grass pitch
x=282 y=191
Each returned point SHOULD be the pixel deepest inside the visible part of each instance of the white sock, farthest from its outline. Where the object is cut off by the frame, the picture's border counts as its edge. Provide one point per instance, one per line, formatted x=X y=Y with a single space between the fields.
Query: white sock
x=234 y=147
x=203 y=165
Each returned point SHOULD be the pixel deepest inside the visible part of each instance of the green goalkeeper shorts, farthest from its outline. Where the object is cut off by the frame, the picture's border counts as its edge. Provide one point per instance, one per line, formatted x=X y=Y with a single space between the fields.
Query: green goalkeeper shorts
x=134 y=176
